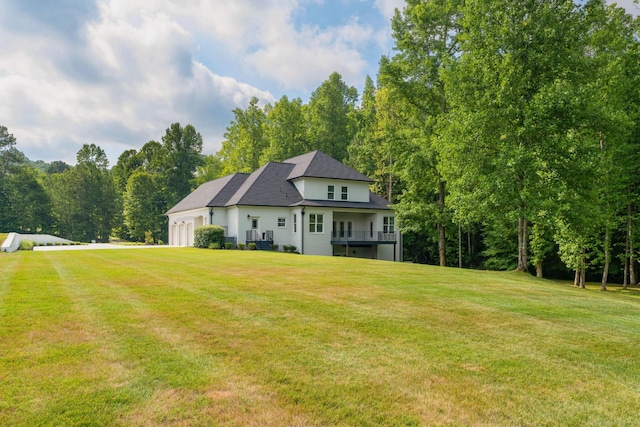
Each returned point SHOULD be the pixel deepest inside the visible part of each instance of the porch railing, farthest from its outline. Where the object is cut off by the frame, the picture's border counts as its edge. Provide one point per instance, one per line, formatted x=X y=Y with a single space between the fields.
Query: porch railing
x=256 y=236
x=363 y=236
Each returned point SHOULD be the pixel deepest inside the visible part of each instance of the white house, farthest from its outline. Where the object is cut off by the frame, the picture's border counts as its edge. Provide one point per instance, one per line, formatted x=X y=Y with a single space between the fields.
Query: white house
x=312 y=202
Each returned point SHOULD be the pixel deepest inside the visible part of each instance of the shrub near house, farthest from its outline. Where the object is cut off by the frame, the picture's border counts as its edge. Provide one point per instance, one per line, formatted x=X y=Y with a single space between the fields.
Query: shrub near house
x=208 y=236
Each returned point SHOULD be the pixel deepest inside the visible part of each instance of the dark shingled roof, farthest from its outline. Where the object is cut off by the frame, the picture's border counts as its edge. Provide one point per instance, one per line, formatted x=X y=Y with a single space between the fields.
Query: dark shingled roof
x=375 y=202
x=268 y=186
x=212 y=193
x=272 y=185
x=229 y=190
x=316 y=164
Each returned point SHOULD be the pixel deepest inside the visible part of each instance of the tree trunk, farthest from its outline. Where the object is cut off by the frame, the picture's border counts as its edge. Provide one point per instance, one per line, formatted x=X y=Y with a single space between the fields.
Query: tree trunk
x=607 y=257
x=626 y=250
x=583 y=269
x=442 y=243
x=632 y=260
x=469 y=253
x=539 y=270
x=576 y=278
x=522 y=245
x=459 y=245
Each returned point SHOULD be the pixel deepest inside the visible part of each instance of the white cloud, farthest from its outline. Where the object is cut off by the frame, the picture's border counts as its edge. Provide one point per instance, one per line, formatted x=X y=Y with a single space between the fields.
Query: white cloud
x=299 y=59
x=144 y=78
x=631 y=6
x=119 y=72
x=387 y=7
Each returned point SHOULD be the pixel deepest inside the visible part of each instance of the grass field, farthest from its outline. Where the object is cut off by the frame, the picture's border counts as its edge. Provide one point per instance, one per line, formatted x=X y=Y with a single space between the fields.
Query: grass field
x=200 y=337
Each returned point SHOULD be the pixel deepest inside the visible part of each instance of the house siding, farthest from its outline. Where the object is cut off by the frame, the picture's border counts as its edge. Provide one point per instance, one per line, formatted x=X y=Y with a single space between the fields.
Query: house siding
x=316 y=189
x=285 y=190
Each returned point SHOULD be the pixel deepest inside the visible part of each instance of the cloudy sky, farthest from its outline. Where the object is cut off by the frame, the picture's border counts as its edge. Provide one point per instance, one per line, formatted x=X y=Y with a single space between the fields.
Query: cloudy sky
x=117 y=73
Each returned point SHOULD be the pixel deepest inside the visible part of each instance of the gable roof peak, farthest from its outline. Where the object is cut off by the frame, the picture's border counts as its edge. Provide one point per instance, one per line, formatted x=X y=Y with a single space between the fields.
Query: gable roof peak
x=316 y=164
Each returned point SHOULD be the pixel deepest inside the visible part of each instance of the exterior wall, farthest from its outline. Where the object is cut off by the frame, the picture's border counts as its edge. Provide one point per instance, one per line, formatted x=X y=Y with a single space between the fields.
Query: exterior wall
x=267 y=221
x=295 y=238
x=231 y=215
x=237 y=220
x=316 y=189
x=317 y=243
x=386 y=251
x=182 y=225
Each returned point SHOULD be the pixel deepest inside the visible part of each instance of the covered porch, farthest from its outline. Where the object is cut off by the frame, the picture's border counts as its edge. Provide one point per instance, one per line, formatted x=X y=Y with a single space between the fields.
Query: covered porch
x=361 y=234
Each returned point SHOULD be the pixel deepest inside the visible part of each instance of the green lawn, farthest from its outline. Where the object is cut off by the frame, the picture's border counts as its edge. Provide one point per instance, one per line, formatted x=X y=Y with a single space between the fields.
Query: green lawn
x=201 y=337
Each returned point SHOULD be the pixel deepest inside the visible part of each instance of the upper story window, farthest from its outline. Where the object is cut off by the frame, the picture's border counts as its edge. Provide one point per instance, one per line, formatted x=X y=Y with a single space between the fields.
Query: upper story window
x=345 y=193
x=316 y=223
x=389 y=224
x=295 y=223
x=282 y=222
x=330 y=192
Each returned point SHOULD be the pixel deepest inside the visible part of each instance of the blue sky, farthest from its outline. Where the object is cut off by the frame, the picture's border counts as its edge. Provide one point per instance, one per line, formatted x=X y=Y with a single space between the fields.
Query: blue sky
x=117 y=73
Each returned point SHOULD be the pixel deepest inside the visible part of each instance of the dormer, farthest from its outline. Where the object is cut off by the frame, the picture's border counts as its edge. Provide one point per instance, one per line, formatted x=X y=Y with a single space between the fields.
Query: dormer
x=320 y=177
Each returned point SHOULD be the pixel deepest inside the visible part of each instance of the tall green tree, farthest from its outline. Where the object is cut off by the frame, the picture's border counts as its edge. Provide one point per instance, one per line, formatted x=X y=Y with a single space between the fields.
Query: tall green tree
x=210 y=169
x=128 y=163
x=330 y=117
x=153 y=158
x=84 y=197
x=143 y=206
x=57 y=166
x=10 y=160
x=514 y=92
x=245 y=139
x=362 y=149
x=614 y=54
x=10 y=156
x=286 y=131
x=426 y=36
x=381 y=124
x=182 y=148
x=28 y=206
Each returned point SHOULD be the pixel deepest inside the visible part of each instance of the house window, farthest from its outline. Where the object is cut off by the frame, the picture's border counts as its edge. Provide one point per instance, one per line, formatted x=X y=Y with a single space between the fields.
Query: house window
x=345 y=193
x=389 y=224
x=254 y=223
x=330 y=192
x=295 y=223
x=282 y=222
x=316 y=223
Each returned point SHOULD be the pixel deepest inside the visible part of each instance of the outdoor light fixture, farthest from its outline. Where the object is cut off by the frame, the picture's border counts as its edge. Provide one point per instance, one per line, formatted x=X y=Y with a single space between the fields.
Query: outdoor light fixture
x=248 y=216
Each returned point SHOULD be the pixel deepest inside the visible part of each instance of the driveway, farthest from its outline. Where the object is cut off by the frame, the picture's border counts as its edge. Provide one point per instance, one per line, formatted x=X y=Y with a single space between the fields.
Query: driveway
x=93 y=246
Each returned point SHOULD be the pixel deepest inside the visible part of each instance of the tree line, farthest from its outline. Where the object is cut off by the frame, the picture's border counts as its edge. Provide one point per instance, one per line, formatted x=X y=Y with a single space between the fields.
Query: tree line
x=90 y=201
x=505 y=136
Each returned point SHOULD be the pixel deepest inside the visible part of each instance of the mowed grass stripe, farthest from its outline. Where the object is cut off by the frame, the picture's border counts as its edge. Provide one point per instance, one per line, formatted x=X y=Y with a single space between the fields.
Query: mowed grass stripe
x=49 y=357
x=177 y=378
x=197 y=337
